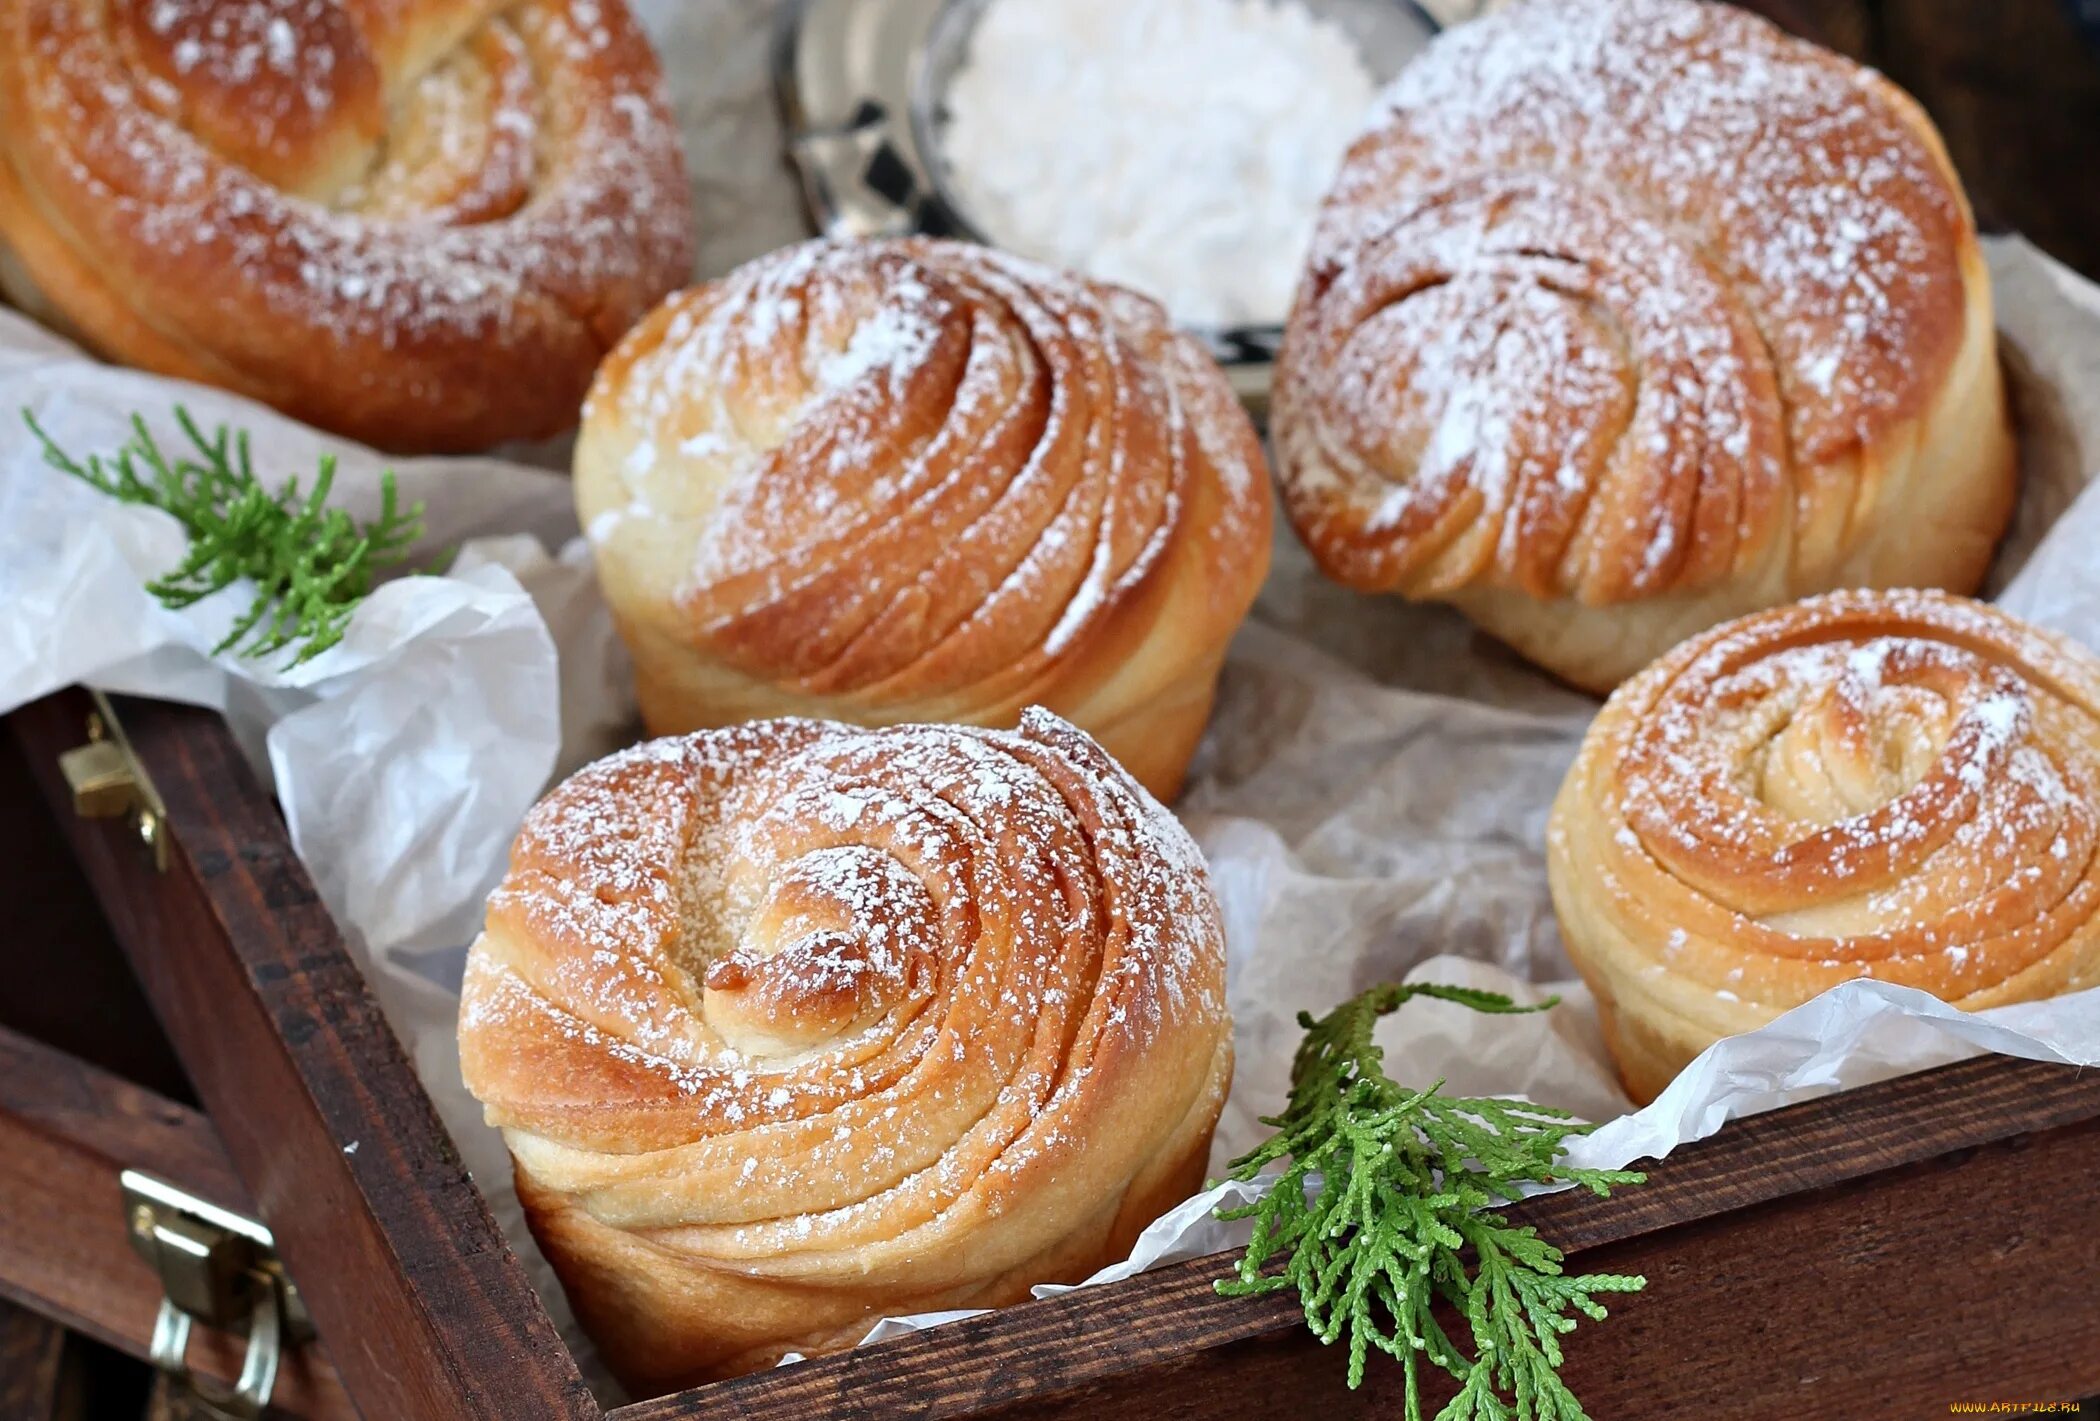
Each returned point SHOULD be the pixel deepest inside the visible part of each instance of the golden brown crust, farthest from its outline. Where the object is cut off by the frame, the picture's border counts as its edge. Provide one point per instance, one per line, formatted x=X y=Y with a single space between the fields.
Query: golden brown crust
x=1897 y=785
x=794 y=1024
x=895 y=481
x=416 y=222
x=1627 y=302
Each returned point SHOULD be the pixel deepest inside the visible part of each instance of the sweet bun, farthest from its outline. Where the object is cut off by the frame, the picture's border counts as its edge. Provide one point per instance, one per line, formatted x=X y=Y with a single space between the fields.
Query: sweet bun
x=1627 y=317
x=795 y=1024
x=1896 y=785
x=924 y=481
x=420 y=223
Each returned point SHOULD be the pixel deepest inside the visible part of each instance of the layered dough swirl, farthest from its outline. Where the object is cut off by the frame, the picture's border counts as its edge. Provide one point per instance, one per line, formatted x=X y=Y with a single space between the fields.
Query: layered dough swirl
x=417 y=222
x=920 y=480
x=1629 y=316
x=1896 y=785
x=794 y=1024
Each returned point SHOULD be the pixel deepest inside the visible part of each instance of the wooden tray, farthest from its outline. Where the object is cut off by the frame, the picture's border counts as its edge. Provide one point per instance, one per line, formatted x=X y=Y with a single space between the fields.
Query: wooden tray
x=1881 y=1252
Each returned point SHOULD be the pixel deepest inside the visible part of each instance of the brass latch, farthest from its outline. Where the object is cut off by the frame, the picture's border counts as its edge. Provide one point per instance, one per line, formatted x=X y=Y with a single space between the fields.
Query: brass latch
x=221 y=1269
x=107 y=782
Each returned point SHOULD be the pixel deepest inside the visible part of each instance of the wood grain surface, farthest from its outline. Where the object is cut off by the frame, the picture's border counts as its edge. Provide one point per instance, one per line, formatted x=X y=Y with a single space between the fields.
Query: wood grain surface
x=1970 y=1277
x=67 y=1130
x=1133 y=1348
x=430 y=1313
x=30 y=1351
x=86 y=1001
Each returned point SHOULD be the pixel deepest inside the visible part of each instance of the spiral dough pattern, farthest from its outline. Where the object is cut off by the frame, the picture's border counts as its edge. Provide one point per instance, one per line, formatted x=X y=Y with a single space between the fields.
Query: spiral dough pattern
x=1896 y=785
x=417 y=222
x=793 y=1024
x=920 y=480
x=1628 y=316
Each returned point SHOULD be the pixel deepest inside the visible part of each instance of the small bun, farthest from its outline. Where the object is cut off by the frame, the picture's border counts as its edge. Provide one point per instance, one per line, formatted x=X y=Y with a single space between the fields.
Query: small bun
x=795 y=1024
x=1896 y=785
x=1626 y=317
x=420 y=223
x=921 y=480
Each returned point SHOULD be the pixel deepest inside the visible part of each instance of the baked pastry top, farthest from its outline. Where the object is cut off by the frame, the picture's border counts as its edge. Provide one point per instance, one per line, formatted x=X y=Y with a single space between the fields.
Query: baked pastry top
x=921 y=480
x=1898 y=785
x=420 y=223
x=1628 y=316
x=794 y=1024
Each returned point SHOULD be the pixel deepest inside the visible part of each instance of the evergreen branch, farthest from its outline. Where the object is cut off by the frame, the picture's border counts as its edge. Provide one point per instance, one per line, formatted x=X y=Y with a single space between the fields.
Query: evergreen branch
x=1386 y=1194
x=309 y=564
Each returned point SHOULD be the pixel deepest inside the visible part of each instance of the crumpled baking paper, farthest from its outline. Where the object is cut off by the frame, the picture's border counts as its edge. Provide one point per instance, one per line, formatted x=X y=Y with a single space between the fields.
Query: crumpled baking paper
x=1372 y=794
x=404 y=756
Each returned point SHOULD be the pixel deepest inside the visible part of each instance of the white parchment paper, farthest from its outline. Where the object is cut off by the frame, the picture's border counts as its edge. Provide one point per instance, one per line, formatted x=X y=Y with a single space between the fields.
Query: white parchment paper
x=1372 y=795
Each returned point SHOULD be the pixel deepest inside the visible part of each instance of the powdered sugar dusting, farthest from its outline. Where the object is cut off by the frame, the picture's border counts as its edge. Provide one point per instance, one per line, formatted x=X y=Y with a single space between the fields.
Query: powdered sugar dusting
x=944 y=466
x=239 y=42
x=894 y=340
x=855 y=972
x=1899 y=784
x=498 y=211
x=1610 y=283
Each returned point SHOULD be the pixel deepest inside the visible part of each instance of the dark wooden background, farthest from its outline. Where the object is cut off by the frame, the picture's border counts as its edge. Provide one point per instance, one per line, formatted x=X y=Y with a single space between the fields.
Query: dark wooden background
x=2015 y=88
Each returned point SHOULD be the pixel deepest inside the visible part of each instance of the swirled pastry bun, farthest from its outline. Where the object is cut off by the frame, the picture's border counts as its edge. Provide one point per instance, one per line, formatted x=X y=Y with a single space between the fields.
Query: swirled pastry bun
x=923 y=481
x=420 y=223
x=1896 y=785
x=795 y=1024
x=1627 y=317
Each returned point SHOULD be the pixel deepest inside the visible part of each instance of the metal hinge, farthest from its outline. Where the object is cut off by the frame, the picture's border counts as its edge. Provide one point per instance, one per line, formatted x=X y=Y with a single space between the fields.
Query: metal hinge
x=107 y=782
x=221 y=1269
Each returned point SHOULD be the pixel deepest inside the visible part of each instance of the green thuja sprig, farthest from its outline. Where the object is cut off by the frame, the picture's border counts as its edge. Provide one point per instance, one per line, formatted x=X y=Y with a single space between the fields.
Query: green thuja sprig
x=1390 y=1193
x=310 y=564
